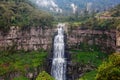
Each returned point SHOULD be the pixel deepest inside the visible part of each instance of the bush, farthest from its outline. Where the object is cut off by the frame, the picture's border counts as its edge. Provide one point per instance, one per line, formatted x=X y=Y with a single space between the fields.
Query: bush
x=110 y=70
x=44 y=76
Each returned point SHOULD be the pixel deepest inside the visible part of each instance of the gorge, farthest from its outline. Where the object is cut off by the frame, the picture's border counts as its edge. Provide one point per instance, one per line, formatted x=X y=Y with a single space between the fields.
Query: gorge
x=35 y=38
x=38 y=38
x=59 y=40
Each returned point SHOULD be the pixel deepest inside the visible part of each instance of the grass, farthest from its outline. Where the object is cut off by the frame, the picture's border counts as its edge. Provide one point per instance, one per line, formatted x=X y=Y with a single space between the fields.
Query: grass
x=92 y=57
x=21 y=61
x=89 y=76
x=20 y=78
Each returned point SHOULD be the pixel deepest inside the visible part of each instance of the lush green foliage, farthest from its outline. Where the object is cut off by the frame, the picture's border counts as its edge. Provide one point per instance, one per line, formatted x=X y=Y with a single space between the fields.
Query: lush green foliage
x=93 y=21
x=20 y=78
x=21 y=13
x=102 y=24
x=87 y=57
x=110 y=70
x=44 y=76
x=89 y=76
x=94 y=57
x=21 y=61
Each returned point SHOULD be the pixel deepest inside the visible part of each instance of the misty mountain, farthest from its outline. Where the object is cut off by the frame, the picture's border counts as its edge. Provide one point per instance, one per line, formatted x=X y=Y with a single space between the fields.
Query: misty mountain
x=62 y=6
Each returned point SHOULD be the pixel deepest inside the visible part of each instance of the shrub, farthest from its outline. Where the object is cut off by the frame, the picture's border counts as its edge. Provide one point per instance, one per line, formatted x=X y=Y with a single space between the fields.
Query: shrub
x=44 y=76
x=110 y=70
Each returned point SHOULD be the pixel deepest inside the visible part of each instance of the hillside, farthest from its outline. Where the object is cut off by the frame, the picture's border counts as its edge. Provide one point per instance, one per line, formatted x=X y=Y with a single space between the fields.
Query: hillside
x=66 y=6
x=113 y=12
x=22 y=13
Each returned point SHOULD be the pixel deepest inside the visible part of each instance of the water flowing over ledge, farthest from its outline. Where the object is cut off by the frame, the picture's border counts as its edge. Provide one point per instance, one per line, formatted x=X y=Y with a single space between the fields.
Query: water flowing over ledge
x=58 y=70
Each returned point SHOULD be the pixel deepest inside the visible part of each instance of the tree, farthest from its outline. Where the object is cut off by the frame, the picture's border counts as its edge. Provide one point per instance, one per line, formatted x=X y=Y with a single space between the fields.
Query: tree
x=44 y=76
x=23 y=14
x=110 y=70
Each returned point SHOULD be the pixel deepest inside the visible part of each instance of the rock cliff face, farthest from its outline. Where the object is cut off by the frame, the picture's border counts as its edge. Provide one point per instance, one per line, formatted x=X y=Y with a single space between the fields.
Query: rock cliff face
x=28 y=39
x=105 y=39
x=118 y=41
x=38 y=38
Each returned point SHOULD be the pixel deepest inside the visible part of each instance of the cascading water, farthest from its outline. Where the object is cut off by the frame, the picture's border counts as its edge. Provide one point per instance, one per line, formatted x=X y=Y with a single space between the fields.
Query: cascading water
x=58 y=70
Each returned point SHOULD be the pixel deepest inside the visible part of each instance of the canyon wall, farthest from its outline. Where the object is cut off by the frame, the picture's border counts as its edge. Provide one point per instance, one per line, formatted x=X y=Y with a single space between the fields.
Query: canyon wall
x=37 y=38
x=28 y=39
x=106 y=39
x=118 y=41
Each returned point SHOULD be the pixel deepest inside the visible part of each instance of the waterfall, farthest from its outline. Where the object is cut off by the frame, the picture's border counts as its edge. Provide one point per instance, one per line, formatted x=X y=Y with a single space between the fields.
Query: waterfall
x=58 y=70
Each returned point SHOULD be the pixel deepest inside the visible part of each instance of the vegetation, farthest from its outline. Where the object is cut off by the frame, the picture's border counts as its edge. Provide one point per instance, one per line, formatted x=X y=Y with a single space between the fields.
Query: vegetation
x=22 y=61
x=115 y=12
x=44 y=76
x=102 y=21
x=20 y=78
x=94 y=58
x=102 y=24
x=91 y=56
x=110 y=70
x=89 y=76
x=21 y=13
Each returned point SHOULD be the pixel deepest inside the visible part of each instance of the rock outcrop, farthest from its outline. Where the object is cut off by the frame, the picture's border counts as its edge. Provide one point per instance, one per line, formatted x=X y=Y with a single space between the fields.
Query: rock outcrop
x=28 y=39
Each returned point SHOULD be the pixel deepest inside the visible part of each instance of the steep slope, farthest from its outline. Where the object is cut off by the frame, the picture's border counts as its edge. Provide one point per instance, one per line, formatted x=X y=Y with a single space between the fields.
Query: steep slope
x=21 y=13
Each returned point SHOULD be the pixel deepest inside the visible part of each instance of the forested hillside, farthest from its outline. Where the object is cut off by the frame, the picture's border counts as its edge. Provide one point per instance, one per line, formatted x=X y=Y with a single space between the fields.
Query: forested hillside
x=22 y=13
x=115 y=12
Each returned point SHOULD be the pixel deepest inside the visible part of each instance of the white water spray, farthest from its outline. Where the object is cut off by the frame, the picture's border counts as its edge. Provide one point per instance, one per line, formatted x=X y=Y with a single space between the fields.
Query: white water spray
x=58 y=70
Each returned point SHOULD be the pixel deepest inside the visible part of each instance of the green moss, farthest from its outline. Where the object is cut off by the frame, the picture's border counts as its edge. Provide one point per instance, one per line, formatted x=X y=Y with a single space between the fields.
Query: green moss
x=21 y=61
